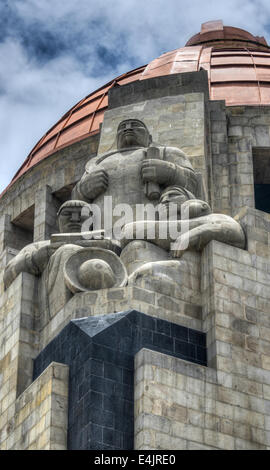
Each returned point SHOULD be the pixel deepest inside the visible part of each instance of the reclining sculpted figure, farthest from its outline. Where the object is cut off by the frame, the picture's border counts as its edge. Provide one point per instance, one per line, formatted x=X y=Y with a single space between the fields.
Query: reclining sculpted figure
x=193 y=227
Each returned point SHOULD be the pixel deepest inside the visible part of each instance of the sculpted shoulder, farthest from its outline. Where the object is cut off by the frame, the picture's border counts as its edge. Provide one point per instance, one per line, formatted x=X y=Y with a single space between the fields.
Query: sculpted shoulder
x=177 y=156
x=112 y=154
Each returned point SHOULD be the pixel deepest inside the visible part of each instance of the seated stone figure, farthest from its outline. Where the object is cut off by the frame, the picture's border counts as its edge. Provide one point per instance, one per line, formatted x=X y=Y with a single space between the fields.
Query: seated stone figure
x=136 y=172
x=194 y=226
x=47 y=259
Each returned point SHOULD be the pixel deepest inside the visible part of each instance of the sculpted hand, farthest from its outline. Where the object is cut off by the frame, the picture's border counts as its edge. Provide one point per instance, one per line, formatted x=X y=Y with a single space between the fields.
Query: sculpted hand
x=14 y=267
x=94 y=184
x=31 y=259
x=41 y=257
x=158 y=171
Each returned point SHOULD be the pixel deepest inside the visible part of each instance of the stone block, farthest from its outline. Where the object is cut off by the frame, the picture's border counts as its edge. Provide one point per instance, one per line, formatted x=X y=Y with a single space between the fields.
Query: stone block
x=219 y=440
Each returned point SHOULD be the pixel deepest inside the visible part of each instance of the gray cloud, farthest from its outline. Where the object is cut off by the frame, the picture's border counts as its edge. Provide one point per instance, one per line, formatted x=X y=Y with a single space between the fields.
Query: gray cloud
x=53 y=53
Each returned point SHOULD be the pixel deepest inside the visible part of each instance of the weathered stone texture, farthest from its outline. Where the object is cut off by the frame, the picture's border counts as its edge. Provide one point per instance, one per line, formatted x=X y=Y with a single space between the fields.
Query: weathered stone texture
x=220 y=164
x=39 y=416
x=248 y=128
x=68 y=166
x=18 y=336
x=184 y=112
x=19 y=342
x=45 y=219
x=182 y=406
x=225 y=406
x=119 y=299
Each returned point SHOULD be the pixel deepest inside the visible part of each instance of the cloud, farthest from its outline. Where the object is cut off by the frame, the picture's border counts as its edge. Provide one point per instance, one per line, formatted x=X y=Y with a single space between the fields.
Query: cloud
x=54 y=53
x=32 y=98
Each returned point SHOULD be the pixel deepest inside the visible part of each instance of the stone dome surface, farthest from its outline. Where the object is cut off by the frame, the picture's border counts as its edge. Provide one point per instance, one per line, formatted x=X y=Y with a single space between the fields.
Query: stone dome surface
x=238 y=67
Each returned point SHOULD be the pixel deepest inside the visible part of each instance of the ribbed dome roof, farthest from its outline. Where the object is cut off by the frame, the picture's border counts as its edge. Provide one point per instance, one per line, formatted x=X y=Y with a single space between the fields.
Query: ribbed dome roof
x=238 y=66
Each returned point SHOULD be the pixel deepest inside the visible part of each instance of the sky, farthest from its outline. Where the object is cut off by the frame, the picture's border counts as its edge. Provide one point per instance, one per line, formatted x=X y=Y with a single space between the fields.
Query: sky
x=55 y=52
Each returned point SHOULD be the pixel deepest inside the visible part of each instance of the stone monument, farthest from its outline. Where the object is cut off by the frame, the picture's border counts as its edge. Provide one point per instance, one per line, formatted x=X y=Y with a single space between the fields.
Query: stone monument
x=134 y=289
x=130 y=176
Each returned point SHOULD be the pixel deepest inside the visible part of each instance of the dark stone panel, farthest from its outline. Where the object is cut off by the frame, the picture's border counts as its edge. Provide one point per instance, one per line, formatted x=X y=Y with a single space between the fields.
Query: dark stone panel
x=185 y=350
x=201 y=354
x=196 y=337
x=163 y=327
x=100 y=354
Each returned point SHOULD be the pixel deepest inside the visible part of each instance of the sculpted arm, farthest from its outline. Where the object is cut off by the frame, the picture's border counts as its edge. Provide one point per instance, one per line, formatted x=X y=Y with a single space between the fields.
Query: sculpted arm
x=225 y=231
x=93 y=183
x=172 y=169
x=31 y=259
x=181 y=235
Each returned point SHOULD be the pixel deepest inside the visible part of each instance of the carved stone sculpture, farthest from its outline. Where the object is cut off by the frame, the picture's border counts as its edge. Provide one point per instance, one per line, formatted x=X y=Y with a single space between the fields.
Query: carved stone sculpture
x=196 y=226
x=93 y=269
x=47 y=259
x=139 y=172
x=136 y=172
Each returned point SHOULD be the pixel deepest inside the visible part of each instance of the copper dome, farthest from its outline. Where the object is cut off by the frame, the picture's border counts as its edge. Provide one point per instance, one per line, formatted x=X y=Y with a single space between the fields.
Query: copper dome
x=238 y=66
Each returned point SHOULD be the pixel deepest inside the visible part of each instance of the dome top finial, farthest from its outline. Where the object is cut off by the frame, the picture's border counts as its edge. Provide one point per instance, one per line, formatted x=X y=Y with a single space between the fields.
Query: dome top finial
x=215 y=25
x=215 y=31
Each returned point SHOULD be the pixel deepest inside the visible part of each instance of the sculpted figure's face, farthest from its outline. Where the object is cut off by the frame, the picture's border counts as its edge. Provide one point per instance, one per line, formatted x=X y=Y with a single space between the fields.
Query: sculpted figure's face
x=70 y=219
x=197 y=208
x=186 y=208
x=173 y=196
x=132 y=133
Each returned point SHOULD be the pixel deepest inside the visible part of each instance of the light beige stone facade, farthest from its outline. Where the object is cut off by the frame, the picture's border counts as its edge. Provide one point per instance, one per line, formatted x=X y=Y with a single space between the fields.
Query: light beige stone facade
x=37 y=420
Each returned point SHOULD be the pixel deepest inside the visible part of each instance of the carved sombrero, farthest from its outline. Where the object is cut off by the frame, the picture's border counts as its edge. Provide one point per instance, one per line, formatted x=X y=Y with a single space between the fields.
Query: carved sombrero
x=92 y=269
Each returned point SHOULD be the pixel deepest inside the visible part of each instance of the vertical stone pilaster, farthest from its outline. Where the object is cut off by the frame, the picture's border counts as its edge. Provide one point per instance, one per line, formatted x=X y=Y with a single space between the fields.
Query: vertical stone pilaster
x=240 y=170
x=220 y=167
x=28 y=337
x=4 y=231
x=209 y=304
x=19 y=342
x=46 y=206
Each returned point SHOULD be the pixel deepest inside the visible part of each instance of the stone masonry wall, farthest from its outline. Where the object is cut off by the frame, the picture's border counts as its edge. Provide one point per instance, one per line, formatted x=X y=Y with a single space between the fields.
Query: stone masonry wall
x=18 y=338
x=171 y=397
x=220 y=164
x=68 y=166
x=235 y=131
x=19 y=342
x=228 y=405
x=118 y=299
x=39 y=421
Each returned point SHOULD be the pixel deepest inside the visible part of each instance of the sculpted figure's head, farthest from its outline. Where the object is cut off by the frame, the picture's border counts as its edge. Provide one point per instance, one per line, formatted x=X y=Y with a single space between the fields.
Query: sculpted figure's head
x=175 y=195
x=195 y=208
x=187 y=206
x=71 y=216
x=132 y=133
